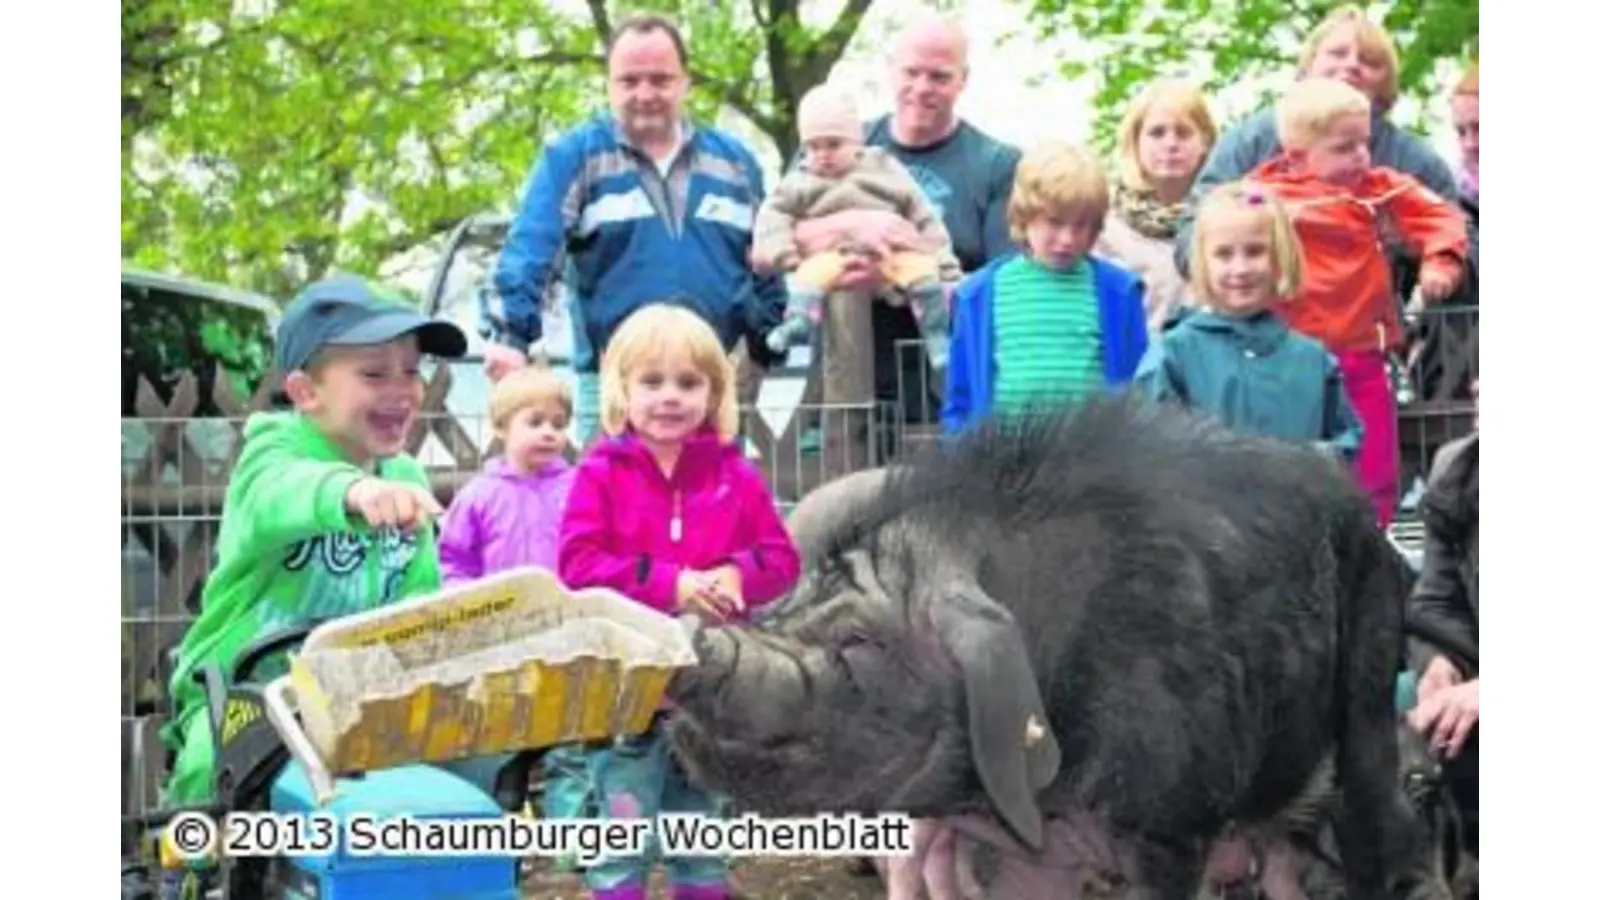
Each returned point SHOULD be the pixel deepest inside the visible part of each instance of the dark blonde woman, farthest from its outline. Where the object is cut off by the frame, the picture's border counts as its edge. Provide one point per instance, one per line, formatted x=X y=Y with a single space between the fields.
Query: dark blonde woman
x=1161 y=144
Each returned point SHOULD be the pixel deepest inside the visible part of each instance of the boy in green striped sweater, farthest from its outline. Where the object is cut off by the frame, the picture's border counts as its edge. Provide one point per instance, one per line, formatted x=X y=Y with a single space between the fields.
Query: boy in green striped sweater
x=1054 y=324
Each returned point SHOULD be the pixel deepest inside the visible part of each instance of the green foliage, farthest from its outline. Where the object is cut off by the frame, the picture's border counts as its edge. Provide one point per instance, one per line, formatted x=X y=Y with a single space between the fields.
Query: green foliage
x=1222 y=42
x=265 y=143
x=161 y=342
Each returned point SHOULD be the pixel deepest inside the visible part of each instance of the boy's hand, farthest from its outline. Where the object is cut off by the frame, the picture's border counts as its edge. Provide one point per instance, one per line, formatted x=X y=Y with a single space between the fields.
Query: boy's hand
x=385 y=503
x=1437 y=283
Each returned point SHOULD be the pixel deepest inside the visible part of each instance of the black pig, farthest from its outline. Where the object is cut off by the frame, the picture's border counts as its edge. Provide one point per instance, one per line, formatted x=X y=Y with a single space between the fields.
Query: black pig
x=1115 y=631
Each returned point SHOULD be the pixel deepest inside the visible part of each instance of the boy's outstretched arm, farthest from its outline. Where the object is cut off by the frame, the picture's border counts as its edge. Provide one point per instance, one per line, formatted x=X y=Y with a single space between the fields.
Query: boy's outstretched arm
x=276 y=496
x=1434 y=226
x=422 y=574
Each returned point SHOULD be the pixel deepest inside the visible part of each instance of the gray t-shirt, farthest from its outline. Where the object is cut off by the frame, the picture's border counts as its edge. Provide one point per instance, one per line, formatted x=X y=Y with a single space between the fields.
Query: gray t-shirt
x=967 y=178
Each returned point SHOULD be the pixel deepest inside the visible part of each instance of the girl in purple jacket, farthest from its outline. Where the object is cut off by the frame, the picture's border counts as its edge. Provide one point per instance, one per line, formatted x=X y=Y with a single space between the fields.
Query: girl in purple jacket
x=509 y=515
x=666 y=510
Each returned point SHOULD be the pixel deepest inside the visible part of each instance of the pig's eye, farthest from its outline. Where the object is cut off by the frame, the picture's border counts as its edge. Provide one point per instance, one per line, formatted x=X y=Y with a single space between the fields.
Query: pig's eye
x=854 y=634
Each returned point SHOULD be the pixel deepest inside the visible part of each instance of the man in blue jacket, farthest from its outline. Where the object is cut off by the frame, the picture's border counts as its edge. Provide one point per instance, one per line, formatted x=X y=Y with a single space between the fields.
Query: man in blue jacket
x=645 y=206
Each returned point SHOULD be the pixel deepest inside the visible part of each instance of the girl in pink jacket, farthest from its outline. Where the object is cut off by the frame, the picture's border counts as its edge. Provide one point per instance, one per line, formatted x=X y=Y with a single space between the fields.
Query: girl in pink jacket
x=668 y=511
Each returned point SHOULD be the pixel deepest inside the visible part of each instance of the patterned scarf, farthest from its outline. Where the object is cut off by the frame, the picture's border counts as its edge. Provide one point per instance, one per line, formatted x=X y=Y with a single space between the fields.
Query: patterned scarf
x=1147 y=215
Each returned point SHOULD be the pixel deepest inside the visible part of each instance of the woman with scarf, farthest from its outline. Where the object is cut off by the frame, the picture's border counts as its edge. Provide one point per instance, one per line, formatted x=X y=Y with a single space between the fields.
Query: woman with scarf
x=1163 y=139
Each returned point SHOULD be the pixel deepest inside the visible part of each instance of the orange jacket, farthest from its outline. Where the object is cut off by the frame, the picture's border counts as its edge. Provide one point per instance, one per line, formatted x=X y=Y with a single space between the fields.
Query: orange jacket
x=1346 y=300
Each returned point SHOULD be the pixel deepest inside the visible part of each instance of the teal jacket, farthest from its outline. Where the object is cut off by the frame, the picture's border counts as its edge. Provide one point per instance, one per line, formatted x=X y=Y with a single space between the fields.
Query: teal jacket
x=1255 y=375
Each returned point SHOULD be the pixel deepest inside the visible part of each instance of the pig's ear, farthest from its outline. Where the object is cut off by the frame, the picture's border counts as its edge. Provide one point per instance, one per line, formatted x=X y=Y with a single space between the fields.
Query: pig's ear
x=1013 y=747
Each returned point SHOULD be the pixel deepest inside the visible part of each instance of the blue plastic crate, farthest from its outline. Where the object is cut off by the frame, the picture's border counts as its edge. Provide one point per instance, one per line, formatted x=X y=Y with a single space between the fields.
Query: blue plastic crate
x=422 y=792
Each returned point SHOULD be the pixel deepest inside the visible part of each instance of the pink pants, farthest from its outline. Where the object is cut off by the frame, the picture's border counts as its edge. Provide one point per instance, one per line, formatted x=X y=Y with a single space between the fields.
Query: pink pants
x=1377 y=467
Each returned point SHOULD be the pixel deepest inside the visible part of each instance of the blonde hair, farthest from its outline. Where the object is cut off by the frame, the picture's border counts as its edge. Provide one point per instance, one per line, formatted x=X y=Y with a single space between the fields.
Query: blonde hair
x=659 y=330
x=1310 y=107
x=1053 y=177
x=525 y=387
x=1371 y=39
x=1180 y=96
x=1468 y=85
x=1252 y=198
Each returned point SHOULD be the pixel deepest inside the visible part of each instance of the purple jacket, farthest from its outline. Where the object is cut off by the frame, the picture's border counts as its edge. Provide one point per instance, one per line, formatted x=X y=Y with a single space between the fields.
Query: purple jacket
x=622 y=514
x=501 y=520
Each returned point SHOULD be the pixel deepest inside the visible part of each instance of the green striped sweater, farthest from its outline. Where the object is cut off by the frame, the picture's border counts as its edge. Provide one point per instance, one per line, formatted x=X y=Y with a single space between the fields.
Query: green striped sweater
x=1046 y=335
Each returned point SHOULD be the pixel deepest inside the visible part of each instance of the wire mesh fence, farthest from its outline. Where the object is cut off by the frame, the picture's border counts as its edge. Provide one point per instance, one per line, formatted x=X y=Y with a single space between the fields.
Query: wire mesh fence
x=175 y=471
x=174 y=479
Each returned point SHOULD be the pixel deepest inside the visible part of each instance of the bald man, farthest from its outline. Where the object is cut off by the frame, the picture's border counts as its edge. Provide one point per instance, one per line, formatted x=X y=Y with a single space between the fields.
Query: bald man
x=966 y=175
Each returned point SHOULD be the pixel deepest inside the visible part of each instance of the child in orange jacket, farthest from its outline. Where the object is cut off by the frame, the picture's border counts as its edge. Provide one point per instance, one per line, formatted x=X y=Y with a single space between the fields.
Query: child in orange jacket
x=1343 y=208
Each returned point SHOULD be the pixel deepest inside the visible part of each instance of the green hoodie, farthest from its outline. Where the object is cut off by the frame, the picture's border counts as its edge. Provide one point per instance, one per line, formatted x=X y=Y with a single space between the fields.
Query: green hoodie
x=287 y=552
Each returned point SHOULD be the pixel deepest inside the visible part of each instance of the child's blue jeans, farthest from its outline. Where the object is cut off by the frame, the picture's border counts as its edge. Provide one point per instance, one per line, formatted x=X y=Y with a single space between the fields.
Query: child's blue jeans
x=639 y=778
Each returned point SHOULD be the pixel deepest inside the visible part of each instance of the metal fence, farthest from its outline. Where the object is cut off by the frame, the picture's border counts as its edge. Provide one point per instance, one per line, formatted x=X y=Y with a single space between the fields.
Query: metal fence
x=172 y=496
x=171 y=513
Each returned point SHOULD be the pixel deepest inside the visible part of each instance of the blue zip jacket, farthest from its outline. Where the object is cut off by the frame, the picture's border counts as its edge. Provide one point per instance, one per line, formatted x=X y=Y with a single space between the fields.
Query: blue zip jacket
x=633 y=237
x=1255 y=376
x=969 y=379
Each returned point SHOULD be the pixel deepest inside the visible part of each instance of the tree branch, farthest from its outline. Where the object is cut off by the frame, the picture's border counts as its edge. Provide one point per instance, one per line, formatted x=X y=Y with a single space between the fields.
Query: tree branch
x=738 y=100
x=563 y=57
x=400 y=243
x=828 y=48
x=602 y=20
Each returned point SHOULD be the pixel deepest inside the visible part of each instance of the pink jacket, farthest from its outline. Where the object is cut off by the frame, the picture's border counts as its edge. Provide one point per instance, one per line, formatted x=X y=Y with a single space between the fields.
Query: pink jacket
x=629 y=528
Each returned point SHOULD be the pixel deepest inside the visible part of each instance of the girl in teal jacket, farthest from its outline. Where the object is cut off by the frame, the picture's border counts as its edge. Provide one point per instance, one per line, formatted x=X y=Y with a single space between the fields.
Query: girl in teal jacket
x=1236 y=359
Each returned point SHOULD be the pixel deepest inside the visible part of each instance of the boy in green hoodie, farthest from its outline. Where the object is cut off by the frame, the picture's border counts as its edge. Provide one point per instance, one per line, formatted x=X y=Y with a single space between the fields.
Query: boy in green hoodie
x=325 y=514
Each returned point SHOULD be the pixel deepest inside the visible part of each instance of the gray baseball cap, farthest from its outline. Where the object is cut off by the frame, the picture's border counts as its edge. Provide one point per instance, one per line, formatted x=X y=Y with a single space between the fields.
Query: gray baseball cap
x=348 y=311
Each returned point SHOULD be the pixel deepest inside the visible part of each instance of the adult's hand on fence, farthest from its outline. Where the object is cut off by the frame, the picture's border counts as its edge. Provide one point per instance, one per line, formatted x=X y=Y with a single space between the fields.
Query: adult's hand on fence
x=500 y=360
x=383 y=504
